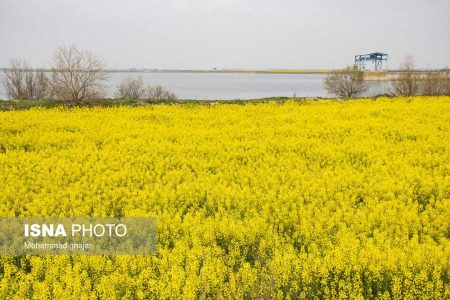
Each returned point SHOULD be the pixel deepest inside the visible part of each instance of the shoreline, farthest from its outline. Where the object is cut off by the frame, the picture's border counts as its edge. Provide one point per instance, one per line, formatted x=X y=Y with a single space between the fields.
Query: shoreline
x=12 y=105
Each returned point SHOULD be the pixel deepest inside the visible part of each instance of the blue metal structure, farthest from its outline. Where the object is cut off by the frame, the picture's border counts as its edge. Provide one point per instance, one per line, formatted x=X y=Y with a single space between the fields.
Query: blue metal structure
x=377 y=58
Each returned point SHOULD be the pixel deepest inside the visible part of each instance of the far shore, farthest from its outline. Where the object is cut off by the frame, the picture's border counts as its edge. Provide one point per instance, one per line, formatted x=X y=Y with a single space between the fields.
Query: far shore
x=387 y=74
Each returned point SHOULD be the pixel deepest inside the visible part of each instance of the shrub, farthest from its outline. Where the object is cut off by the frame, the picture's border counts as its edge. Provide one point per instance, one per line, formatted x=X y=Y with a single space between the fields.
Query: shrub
x=346 y=83
x=408 y=82
x=131 y=89
x=135 y=89
x=22 y=82
x=435 y=83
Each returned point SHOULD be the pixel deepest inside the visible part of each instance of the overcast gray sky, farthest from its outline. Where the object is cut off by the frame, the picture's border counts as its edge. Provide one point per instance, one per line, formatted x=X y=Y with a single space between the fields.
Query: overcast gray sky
x=204 y=34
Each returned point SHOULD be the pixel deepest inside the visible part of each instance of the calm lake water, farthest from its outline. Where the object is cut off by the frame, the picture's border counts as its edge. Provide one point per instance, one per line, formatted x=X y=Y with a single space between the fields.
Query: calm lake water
x=230 y=86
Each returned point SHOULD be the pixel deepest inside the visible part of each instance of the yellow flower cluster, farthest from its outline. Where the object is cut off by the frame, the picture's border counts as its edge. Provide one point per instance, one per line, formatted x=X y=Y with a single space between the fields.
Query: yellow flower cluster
x=312 y=199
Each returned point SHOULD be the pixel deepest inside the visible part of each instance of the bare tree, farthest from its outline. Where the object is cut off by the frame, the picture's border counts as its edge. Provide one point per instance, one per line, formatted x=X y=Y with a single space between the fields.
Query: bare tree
x=408 y=82
x=447 y=84
x=435 y=83
x=157 y=92
x=22 y=82
x=346 y=83
x=135 y=89
x=131 y=89
x=78 y=75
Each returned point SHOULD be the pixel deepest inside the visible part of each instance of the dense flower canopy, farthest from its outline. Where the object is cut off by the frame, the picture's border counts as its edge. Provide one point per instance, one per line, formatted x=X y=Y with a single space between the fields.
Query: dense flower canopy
x=302 y=199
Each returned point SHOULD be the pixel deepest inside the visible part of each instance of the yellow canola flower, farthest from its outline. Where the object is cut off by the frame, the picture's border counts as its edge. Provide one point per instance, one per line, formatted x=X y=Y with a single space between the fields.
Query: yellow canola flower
x=311 y=199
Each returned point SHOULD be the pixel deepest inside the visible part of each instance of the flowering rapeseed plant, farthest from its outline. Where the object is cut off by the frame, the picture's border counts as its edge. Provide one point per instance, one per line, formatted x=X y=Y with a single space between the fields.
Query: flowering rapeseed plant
x=313 y=199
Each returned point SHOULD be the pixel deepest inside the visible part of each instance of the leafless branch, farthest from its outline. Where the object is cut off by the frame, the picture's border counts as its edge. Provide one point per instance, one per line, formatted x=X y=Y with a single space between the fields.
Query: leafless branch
x=21 y=82
x=346 y=83
x=135 y=89
x=408 y=82
x=78 y=75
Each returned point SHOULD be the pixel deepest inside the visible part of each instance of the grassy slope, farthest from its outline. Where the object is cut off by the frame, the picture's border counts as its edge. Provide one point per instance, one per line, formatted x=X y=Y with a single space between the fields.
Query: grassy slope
x=6 y=105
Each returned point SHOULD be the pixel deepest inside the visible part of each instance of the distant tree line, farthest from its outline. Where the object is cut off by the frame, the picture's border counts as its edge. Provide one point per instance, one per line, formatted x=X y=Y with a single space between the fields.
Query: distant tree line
x=76 y=76
x=349 y=82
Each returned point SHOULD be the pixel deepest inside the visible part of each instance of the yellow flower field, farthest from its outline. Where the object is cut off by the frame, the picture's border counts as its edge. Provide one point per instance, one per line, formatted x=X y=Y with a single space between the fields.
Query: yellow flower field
x=313 y=199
